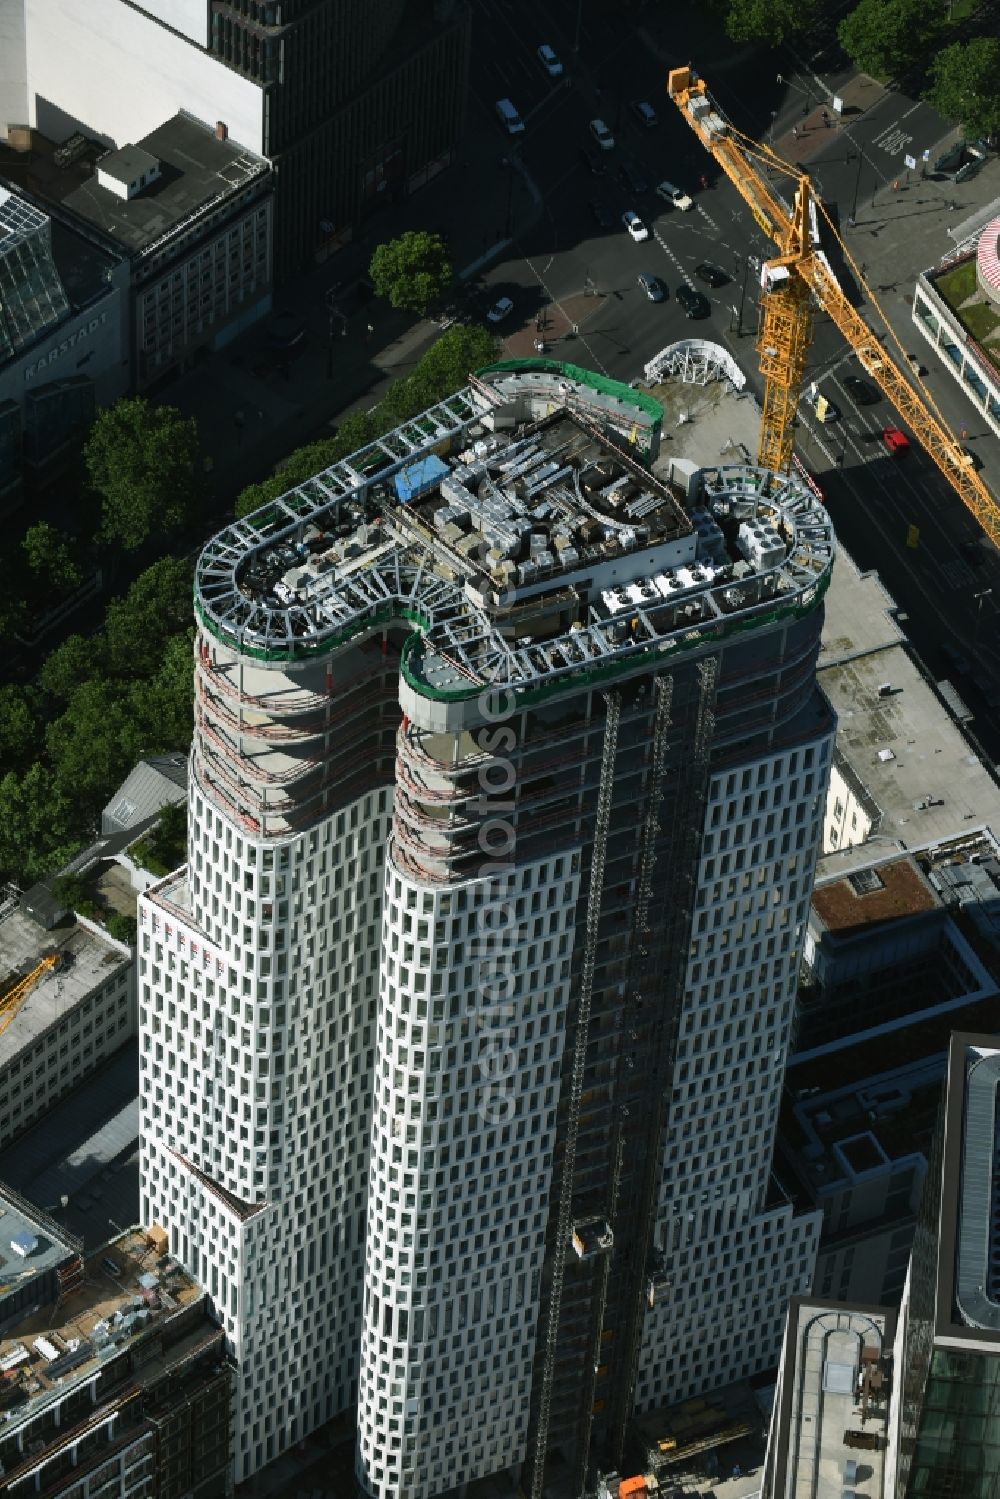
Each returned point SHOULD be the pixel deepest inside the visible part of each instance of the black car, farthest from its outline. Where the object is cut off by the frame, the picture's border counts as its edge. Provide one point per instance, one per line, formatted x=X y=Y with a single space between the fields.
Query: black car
x=695 y=303
x=601 y=213
x=633 y=178
x=860 y=392
x=713 y=274
x=593 y=163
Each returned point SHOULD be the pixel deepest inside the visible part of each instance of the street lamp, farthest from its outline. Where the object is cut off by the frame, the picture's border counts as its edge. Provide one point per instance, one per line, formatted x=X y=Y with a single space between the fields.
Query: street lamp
x=984 y=593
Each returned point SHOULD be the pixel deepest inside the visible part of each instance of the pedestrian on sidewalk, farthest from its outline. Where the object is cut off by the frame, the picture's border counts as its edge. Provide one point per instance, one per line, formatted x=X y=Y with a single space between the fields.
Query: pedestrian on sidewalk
x=795 y=132
x=826 y=118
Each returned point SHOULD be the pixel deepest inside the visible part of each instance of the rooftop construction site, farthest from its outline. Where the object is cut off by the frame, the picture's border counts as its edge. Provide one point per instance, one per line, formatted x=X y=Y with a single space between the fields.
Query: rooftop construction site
x=516 y=528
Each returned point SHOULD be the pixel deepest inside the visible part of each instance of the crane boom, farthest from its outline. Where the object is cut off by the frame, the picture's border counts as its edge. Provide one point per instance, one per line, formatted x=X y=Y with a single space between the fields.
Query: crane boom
x=798 y=275
x=12 y=1001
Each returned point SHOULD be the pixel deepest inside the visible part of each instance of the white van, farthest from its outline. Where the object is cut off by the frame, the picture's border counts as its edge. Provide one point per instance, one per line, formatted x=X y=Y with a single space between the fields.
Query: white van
x=509 y=117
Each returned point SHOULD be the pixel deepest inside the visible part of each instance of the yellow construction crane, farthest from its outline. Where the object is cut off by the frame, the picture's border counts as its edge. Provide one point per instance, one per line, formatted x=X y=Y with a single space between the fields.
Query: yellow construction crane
x=801 y=275
x=14 y=998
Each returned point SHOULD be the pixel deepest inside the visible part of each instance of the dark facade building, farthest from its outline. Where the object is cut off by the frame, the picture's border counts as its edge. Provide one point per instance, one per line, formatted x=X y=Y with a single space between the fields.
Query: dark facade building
x=363 y=103
x=948 y=1346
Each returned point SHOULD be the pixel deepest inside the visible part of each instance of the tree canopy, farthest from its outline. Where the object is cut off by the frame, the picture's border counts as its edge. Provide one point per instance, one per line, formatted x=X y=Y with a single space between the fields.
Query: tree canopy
x=412 y=271
x=109 y=699
x=966 y=85
x=144 y=462
x=772 y=21
x=48 y=556
x=885 y=37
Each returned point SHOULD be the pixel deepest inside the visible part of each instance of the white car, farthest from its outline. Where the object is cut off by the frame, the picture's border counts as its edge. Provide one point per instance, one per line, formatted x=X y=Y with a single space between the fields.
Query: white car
x=634 y=225
x=602 y=135
x=675 y=195
x=550 y=61
x=500 y=310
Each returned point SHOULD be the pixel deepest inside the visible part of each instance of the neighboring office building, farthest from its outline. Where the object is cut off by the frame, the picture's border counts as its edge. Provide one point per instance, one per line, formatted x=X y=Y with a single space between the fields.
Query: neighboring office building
x=352 y=101
x=447 y=1261
x=915 y=1415
x=161 y=781
x=905 y=773
x=115 y=1382
x=193 y=214
x=890 y=971
x=63 y=339
x=74 y=1016
x=39 y=1261
x=942 y=313
x=829 y=1424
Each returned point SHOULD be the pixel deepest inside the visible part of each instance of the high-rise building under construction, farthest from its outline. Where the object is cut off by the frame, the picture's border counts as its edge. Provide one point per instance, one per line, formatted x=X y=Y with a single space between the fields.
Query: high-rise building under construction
x=463 y=1029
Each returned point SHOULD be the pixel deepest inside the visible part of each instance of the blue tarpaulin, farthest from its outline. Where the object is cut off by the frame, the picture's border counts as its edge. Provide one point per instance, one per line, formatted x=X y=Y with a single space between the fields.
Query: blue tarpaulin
x=420 y=478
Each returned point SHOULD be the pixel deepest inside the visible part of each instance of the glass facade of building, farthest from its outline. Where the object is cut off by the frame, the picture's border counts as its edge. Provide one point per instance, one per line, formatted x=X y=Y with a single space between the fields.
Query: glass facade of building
x=32 y=297
x=956 y=1454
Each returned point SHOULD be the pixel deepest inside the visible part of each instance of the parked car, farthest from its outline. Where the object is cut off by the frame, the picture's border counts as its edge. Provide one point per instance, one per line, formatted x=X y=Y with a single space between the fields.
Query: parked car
x=549 y=61
x=509 y=117
x=593 y=163
x=706 y=270
x=652 y=286
x=632 y=177
x=645 y=113
x=674 y=195
x=601 y=213
x=860 y=392
x=897 y=442
x=973 y=553
x=602 y=135
x=500 y=310
x=634 y=225
x=695 y=303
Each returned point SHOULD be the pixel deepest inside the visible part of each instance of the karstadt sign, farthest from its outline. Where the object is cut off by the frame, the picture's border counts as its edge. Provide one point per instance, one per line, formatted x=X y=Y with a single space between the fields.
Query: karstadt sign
x=85 y=331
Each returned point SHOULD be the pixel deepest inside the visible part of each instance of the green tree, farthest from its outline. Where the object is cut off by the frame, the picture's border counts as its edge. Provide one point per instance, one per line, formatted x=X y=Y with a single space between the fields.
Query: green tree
x=21 y=739
x=70 y=890
x=137 y=627
x=966 y=85
x=771 y=21
x=412 y=271
x=144 y=462
x=122 y=928
x=92 y=746
x=76 y=660
x=50 y=564
x=162 y=706
x=37 y=825
x=885 y=37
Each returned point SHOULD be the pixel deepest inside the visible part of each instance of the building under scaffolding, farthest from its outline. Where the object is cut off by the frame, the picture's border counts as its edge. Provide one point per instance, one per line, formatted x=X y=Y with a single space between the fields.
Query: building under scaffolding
x=506 y=792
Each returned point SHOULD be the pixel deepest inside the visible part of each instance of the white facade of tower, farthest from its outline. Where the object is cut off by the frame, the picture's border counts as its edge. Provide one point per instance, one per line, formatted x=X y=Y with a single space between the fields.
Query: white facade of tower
x=258 y=981
x=475 y=989
x=714 y=1321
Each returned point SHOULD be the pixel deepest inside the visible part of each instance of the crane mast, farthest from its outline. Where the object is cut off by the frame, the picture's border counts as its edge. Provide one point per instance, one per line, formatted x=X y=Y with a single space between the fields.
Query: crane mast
x=800 y=277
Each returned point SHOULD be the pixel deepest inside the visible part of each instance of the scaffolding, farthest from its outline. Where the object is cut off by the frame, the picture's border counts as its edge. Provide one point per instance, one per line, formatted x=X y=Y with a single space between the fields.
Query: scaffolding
x=661 y=963
x=602 y=822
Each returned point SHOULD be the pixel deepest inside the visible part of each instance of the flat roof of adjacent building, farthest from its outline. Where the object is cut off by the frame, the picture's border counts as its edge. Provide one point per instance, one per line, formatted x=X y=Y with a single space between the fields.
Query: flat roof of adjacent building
x=824 y=1410
x=92 y=1323
x=868 y=897
x=197 y=171
x=41 y=1245
x=921 y=771
x=968 y=1264
x=87 y=962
